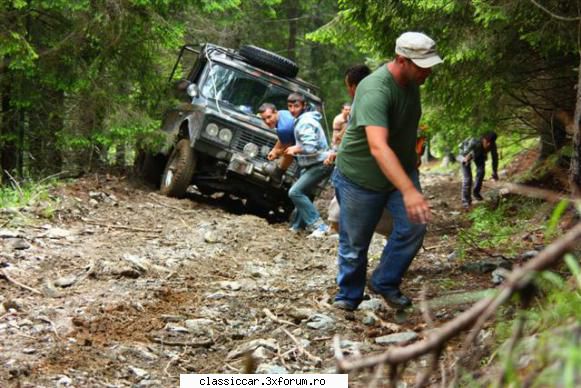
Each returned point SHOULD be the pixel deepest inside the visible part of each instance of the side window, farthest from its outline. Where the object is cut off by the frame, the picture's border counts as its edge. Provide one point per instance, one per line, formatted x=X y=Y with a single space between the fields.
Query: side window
x=187 y=66
x=277 y=96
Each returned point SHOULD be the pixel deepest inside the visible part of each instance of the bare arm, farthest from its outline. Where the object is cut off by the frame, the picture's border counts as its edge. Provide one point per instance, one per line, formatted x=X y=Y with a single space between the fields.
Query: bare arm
x=417 y=207
x=276 y=151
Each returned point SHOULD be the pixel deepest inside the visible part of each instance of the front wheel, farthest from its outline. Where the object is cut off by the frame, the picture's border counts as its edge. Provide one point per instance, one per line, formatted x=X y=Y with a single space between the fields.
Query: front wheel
x=179 y=170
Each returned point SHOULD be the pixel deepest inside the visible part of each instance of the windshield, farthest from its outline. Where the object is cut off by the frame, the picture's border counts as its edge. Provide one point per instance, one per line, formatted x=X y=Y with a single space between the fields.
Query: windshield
x=243 y=92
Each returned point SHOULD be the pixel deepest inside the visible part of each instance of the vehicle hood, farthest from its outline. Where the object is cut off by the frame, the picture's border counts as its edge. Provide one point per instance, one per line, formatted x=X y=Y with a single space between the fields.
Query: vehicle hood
x=237 y=117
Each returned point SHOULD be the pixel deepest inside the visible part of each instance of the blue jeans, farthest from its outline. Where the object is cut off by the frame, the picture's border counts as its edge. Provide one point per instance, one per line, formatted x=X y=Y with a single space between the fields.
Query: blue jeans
x=306 y=212
x=361 y=210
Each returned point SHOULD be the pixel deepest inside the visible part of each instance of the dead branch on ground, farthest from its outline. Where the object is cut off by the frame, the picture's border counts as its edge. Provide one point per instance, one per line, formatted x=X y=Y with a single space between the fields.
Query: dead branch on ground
x=534 y=192
x=124 y=227
x=199 y=344
x=301 y=349
x=472 y=319
x=4 y=274
x=270 y=315
x=152 y=196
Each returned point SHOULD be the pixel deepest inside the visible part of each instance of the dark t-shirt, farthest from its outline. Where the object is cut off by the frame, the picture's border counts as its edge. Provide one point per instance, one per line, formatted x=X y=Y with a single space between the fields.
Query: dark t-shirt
x=380 y=101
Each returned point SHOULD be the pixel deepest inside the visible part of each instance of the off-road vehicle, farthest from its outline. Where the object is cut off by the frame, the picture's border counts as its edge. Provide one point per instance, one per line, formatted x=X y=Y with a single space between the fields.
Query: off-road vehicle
x=215 y=138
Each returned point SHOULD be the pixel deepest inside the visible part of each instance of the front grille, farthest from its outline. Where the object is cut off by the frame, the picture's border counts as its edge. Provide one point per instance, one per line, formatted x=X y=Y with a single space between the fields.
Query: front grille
x=244 y=137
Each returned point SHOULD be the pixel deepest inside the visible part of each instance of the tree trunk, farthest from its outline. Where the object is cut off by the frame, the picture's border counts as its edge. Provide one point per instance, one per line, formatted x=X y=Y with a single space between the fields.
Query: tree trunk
x=293 y=28
x=8 y=131
x=575 y=169
x=45 y=125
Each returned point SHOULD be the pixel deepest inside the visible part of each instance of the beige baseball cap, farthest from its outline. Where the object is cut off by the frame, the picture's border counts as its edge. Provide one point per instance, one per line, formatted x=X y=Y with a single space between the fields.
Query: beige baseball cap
x=418 y=47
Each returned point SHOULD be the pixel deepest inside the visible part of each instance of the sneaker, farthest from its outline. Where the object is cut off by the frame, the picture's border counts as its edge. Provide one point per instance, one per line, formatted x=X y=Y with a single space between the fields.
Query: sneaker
x=321 y=231
x=344 y=305
x=478 y=197
x=294 y=230
x=394 y=298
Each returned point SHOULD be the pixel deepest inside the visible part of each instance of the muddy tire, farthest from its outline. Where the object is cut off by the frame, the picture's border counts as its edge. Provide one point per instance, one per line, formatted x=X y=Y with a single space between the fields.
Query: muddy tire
x=269 y=61
x=179 y=170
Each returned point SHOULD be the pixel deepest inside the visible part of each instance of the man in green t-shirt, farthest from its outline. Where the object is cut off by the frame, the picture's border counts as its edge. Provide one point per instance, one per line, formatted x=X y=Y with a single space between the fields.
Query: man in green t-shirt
x=377 y=170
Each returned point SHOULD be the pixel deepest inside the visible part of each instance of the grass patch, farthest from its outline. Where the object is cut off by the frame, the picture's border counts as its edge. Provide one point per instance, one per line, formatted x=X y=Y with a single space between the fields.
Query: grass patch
x=494 y=227
x=551 y=335
x=28 y=194
x=447 y=283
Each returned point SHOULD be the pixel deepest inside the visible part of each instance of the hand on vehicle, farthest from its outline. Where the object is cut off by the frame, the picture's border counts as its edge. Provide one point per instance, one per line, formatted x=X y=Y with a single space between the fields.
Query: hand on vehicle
x=330 y=160
x=417 y=208
x=273 y=154
x=293 y=150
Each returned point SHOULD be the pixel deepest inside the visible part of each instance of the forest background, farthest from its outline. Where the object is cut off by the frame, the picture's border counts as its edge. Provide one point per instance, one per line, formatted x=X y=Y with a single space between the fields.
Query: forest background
x=81 y=82
x=83 y=85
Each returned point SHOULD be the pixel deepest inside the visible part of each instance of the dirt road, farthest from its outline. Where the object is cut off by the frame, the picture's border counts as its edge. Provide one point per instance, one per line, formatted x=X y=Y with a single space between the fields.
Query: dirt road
x=123 y=287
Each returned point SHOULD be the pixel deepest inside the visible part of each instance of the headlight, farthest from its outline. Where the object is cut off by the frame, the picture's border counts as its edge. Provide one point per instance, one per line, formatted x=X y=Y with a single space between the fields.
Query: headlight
x=225 y=135
x=212 y=129
x=192 y=90
x=250 y=150
x=264 y=150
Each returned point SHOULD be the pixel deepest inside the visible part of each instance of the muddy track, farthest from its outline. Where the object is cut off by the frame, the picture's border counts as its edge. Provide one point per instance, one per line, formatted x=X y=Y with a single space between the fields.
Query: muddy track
x=137 y=288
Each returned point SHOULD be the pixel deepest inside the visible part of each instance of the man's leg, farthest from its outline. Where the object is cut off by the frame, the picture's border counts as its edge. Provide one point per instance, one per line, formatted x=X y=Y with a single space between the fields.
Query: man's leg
x=299 y=192
x=466 y=184
x=360 y=212
x=403 y=245
x=478 y=182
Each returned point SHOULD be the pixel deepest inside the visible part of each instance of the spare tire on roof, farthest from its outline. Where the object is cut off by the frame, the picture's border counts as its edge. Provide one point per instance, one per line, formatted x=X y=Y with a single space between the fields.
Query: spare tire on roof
x=270 y=61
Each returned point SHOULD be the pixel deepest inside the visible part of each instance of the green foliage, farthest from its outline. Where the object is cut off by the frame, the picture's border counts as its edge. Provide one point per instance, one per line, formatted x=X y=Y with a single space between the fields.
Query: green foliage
x=497 y=227
x=85 y=75
x=508 y=64
x=30 y=193
x=556 y=216
x=555 y=352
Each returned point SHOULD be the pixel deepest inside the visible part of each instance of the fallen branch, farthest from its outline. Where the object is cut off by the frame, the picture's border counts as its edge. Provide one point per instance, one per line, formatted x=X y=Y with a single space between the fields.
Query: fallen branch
x=88 y=272
x=52 y=325
x=377 y=375
x=533 y=192
x=151 y=195
x=172 y=360
x=201 y=344
x=435 y=247
x=112 y=226
x=518 y=279
x=280 y=357
x=10 y=279
x=274 y=318
x=301 y=349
